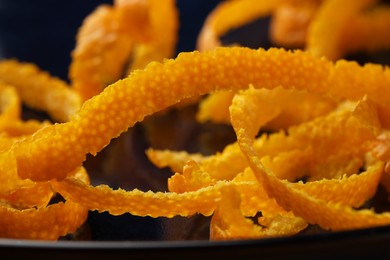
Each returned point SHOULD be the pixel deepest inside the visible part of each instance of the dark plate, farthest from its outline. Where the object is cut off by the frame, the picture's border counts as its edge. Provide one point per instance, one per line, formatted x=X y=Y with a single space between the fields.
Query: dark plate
x=357 y=244
x=43 y=32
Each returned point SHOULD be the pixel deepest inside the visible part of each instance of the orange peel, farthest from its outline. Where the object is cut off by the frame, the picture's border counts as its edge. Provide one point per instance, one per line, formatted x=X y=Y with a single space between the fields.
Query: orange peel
x=364 y=31
x=44 y=223
x=164 y=33
x=33 y=217
x=325 y=32
x=328 y=215
x=111 y=37
x=228 y=222
x=56 y=98
x=160 y=85
x=155 y=204
x=367 y=31
x=290 y=21
x=98 y=60
x=294 y=107
x=164 y=84
x=327 y=28
x=10 y=105
x=296 y=143
x=230 y=15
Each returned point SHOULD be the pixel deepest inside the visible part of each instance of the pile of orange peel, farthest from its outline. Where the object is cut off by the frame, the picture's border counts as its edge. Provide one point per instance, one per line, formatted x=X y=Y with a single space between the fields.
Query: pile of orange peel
x=313 y=140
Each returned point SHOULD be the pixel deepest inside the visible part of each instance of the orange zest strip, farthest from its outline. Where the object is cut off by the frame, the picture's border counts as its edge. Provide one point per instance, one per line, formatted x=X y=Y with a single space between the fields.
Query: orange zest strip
x=154 y=204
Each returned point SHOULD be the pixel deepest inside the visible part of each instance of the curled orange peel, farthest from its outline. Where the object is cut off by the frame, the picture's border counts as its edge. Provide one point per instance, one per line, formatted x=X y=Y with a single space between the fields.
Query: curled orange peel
x=161 y=85
x=164 y=32
x=55 y=151
x=43 y=223
x=230 y=216
x=155 y=204
x=350 y=191
x=229 y=15
x=203 y=200
x=290 y=21
x=55 y=96
x=228 y=222
x=10 y=105
x=338 y=142
x=22 y=198
x=329 y=24
x=328 y=215
x=294 y=107
x=370 y=33
x=26 y=210
x=27 y=213
x=303 y=24
x=111 y=37
x=325 y=27
x=296 y=143
x=361 y=28
x=363 y=31
x=102 y=49
x=12 y=127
